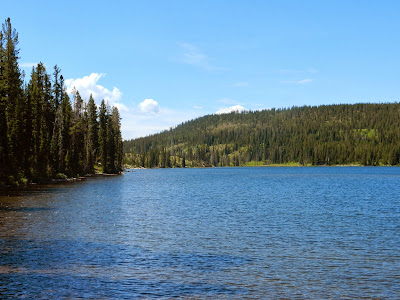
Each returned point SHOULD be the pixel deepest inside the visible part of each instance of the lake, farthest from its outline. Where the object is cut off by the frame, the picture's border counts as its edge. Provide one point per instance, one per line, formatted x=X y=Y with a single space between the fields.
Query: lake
x=217 y=233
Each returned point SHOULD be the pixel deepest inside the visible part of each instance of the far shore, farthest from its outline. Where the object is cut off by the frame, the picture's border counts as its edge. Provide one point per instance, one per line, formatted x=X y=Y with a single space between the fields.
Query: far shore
x=127 y=168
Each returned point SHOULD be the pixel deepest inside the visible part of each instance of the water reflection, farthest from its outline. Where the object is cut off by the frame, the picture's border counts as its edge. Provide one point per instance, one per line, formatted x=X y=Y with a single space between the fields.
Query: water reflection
x=74 y=269
x=205 y=233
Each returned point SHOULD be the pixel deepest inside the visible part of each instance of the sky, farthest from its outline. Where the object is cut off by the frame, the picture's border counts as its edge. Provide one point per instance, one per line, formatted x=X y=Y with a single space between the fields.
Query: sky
x=165 y=62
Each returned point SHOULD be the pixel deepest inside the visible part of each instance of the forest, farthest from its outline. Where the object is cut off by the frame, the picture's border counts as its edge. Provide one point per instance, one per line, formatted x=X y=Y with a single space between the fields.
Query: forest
x=45 y=134
x=357 y=134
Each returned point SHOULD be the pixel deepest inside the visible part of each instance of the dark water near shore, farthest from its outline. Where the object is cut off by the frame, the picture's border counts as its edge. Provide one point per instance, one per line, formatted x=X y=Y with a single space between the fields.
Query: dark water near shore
x=206 y=233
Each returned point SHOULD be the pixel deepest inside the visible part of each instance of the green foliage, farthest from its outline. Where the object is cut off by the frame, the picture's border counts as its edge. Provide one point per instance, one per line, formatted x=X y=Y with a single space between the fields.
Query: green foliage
x=61 y=176
x=43 y=134
x=92 y=137
x=359 y=134
x=103 y=120
x=12 y=106
x=110 y=139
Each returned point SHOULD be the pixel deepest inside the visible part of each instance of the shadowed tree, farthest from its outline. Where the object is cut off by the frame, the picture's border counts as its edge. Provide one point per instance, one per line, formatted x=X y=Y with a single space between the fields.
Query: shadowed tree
x=103 y=120
x=12 y=101
x=92 y=140
x=41 y=133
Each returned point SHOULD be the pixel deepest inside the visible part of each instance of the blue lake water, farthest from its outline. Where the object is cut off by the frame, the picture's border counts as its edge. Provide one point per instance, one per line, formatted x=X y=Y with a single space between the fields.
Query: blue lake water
x=220 y=233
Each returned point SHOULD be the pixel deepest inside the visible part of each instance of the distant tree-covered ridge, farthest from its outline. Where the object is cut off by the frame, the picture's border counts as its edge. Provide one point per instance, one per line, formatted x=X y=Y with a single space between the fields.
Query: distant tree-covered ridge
x=43 y=134
x=360 y=134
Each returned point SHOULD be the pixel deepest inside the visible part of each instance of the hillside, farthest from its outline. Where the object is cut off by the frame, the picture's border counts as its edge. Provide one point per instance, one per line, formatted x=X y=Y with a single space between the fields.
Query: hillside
x=362 y=134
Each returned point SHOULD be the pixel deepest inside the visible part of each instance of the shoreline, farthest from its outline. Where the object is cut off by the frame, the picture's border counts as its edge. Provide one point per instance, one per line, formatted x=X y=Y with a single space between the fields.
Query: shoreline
x=54 y=181
x=80 y=178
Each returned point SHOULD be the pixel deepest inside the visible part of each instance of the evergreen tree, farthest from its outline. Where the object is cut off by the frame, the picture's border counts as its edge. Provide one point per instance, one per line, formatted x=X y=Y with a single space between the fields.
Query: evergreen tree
x=64 y=153
x=37 y=127
x=103 y=120
x=41 y=134
x=58 y=82
x=57 y=86
x=4 y=154
x=117 y=145
x=366 y=134
x=92 y=140
x=110 y=146
x=77 y=131
x=12 y=99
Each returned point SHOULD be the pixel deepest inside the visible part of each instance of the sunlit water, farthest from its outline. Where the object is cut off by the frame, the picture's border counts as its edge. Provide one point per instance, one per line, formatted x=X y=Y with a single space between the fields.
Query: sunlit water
x=225 y=233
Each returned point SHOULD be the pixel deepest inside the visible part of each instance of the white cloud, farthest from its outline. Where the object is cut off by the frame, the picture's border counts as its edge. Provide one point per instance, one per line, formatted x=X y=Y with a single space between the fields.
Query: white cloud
x=149 y=106
x=88 y=85
x=227 y=110
x=197 y=107
x=137 y=124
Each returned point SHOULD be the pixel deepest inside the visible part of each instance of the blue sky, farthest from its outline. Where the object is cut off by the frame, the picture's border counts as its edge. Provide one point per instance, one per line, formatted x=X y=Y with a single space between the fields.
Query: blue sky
x=165 y=62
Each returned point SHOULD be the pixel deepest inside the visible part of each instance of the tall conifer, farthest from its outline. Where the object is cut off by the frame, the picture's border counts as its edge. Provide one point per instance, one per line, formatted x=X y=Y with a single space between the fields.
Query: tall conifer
x=77 y=136
x=3 y=117
x=117 y=141
x=92 y=140
x=103 y=120
x=13 y=98
x=41 y=133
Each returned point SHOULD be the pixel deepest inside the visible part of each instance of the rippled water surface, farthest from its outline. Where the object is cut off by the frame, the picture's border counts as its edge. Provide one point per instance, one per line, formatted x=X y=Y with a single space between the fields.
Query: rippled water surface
x=225 y=233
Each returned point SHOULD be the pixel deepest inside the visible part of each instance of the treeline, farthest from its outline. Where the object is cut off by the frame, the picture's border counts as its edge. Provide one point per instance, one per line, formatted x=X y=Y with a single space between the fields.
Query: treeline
x=362 y=134
x=43 y=133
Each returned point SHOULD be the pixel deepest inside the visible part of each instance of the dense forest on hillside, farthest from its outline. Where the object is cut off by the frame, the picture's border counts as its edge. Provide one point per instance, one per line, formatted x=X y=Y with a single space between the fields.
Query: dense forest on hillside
x=43 y=134
x=362 y=134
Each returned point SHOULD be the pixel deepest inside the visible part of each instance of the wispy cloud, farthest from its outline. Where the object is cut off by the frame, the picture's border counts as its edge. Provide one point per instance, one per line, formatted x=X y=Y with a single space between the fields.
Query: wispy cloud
x=303 y=81
x=192 y=55
x=88 y=85
x=197 y=107
x=28 y=65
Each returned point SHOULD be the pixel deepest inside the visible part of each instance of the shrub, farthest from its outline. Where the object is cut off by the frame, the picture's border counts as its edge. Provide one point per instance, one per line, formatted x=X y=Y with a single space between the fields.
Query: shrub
x=61 y=176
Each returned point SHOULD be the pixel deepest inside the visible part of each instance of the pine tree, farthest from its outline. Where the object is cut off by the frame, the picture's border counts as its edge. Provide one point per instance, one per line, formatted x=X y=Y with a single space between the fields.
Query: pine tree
x=110 y=146
x=37 y=127
x=49 y=115
x=64 y=153
x=77 y=131
x=117 y=141
x=12 y=99
x=57 y=86
x=103 y=120
x=4 y=155
x=41 y=134
x=92 y=140
x=57 y=91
